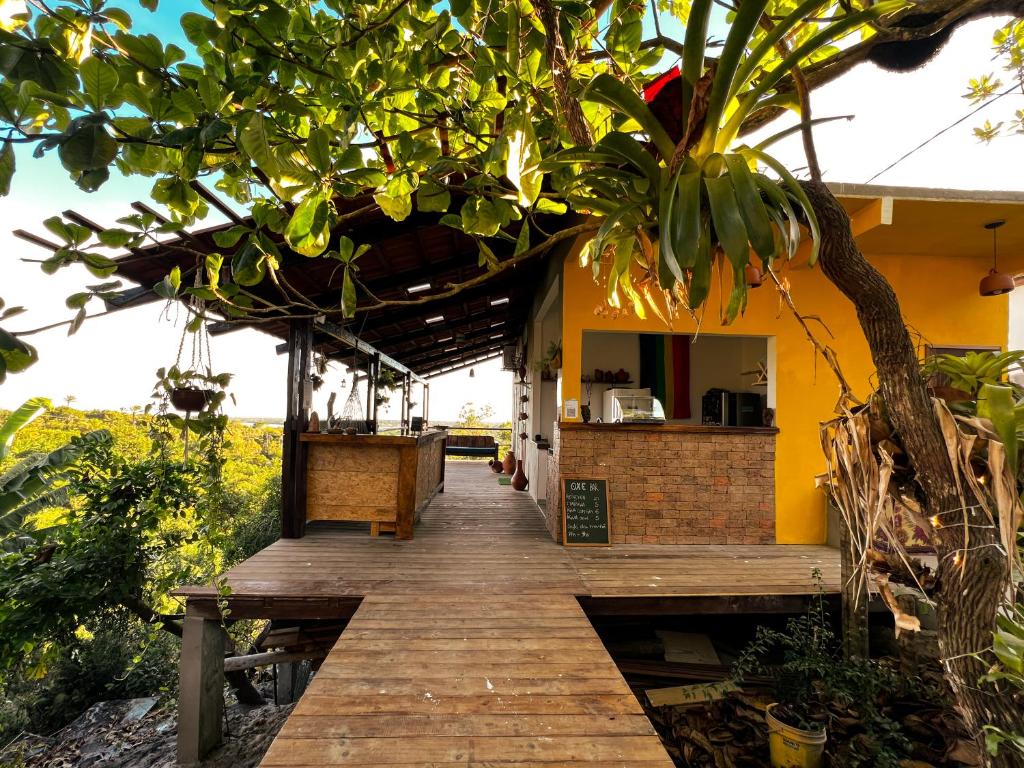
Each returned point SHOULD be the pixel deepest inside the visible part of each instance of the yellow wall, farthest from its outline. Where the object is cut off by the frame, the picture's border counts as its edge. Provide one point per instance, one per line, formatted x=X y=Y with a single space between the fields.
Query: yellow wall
x=940 y=301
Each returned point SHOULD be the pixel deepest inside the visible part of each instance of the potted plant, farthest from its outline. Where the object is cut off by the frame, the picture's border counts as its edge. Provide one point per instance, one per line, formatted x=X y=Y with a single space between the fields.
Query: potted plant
x=798 y=663
x=554 y=356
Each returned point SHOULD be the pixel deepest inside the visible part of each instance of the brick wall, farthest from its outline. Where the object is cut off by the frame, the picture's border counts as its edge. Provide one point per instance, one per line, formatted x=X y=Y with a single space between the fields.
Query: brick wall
x=675 y=485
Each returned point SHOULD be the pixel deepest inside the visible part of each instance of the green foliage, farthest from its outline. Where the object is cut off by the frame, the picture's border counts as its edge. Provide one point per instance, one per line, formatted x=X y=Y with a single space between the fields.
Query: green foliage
x=1008 y=674
x=971 y=370
x=808 y=673
x=1008 y=45
x=305 y=113
x=131 y=525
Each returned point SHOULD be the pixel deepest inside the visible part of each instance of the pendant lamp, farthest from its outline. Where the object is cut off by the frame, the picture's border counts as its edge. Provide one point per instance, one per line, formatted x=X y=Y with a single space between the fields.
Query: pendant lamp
x=995 y=283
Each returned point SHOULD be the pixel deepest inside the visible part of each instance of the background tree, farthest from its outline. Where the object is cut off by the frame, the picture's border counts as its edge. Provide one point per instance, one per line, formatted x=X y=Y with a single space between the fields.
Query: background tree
x=489 y=113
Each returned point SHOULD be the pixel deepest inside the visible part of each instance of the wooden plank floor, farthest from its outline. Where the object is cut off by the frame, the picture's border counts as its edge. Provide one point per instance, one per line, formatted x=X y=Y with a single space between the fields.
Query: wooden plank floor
x=479 y=537
x=469 y=647
x=454 y=680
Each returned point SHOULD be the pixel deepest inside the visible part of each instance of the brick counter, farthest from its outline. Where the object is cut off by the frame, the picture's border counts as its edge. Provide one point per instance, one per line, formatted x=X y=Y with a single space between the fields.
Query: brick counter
x=674 y=484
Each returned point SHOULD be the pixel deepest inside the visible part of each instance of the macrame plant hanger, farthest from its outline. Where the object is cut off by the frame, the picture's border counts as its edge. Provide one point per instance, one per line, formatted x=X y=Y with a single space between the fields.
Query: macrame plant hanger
x=200 y=358
x=352 y=412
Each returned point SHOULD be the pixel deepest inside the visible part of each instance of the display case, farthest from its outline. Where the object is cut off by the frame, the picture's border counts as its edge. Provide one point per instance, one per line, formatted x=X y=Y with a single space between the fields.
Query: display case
x=637 y=409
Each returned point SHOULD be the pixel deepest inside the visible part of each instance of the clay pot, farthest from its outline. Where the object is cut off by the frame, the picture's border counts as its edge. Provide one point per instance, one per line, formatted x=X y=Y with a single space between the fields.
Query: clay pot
x=190 y=399
x=598 y=374
x=314 y=422
x=752 y=275
x=519 y=479
x=496 y=466
x=509 y=464
x=609 y=376
x=585 y=413
x=621 y=376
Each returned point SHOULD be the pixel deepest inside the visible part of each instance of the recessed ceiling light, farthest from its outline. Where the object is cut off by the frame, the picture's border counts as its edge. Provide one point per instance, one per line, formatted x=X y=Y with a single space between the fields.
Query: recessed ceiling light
x=495 y=325
x=419 y=288
x=497 y=302
x=497 y=336
x=445 y=340
x=434 y=319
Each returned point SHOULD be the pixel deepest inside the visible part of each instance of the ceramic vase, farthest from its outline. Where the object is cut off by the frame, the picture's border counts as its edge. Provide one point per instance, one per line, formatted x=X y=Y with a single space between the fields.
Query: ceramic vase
x=509 y=464
x=519 y=480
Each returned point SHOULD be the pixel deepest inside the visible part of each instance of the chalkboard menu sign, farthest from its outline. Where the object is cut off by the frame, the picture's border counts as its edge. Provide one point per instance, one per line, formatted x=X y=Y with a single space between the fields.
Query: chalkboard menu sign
x=585 y=518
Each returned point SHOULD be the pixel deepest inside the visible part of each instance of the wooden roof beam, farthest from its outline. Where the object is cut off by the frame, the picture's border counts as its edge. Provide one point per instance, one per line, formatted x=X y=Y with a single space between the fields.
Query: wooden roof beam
x=461 y=366
x=216 y=202
x=28 y=237
x=347 y=337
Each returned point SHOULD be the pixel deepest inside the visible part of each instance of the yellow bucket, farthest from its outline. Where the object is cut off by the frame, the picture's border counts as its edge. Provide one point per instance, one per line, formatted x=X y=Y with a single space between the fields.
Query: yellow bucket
x=793 y=747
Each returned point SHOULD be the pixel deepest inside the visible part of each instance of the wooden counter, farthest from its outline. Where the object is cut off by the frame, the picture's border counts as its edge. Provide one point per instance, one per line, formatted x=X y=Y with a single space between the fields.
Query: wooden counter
x=384 y=480
x=696 y=429
x=672 y=483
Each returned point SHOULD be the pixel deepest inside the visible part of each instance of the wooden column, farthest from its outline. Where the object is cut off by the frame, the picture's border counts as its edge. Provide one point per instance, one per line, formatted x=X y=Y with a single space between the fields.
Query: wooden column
x=371 y=400
x=201 y=689
x=408 y=459
x=293 y=453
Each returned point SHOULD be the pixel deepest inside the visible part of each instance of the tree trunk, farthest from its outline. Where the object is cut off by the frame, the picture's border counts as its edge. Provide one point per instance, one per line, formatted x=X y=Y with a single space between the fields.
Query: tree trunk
x=972 y=583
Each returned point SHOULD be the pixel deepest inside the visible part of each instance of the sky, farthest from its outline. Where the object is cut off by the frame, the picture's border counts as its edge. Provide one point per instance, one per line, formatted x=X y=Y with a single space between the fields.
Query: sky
x=111 y=361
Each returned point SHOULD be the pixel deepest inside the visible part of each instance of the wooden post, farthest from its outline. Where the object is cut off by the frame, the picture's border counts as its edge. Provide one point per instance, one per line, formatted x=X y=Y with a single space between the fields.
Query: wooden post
x=293 y=453
x=291 y=681
x=854 y=598
x=371 y=402
x=201 y=689
x=408 y=458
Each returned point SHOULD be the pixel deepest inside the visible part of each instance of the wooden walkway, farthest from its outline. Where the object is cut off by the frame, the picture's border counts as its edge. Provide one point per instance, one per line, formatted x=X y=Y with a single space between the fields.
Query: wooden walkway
x=468 y=645
x=454 y=680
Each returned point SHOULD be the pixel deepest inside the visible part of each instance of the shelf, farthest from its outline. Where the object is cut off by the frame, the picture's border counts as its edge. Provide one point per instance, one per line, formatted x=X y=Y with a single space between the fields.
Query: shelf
x=613 y=383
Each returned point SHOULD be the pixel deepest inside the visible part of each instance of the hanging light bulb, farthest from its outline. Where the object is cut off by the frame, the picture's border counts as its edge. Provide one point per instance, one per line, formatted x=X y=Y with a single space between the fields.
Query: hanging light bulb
x=995 y=283
x=472 y=373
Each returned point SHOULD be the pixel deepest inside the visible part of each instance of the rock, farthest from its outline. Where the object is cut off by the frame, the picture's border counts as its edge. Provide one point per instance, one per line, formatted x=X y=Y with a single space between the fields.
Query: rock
x=133 y=733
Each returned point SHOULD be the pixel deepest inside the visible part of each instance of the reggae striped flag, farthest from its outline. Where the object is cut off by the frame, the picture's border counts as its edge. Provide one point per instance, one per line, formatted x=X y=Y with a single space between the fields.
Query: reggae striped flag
x=665 y=368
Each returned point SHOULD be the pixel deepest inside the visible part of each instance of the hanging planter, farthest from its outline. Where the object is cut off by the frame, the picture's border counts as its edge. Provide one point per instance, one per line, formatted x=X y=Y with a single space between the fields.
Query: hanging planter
x=190 y=399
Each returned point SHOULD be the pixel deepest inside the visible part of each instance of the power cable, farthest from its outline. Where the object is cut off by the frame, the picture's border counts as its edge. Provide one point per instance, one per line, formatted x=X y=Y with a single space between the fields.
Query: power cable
x=948 y=128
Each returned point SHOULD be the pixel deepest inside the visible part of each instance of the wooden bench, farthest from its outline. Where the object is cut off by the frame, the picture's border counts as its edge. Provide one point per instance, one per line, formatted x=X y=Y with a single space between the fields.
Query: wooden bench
x=471 y=445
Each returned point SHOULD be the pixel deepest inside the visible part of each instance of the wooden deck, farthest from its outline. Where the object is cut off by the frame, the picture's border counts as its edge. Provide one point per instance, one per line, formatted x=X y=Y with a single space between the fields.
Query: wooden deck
x=468 y=645
x=480 y=538
x=453 y=680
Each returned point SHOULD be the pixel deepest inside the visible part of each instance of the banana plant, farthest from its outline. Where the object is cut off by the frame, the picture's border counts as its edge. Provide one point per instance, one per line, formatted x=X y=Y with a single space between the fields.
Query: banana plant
x=703 y=201
x=34 y=482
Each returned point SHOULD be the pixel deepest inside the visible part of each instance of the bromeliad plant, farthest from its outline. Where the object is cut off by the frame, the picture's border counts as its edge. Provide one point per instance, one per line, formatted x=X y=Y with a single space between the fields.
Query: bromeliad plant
x=682 y=208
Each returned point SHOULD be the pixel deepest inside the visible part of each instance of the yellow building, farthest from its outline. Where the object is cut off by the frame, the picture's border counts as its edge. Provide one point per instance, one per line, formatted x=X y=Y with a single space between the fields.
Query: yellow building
x=685 y=481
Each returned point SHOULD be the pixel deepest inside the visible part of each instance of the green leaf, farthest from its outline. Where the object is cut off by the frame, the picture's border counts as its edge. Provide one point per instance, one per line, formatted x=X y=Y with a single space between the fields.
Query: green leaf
x=18 y=420
x=605 y=89
x=254 y=140
x=249 y=264
x=99 y=265
x=99 y=80
x=755 y=217
x=481 y=216
x=348 y=294
x=318 y=149
x=88 y=146
x=796 y=191
x=744 y=22
x=227 y=238
x=730 y=230
x=524 y=155
x=395 y=199
x=431 y=196
x=523 y=240
x=995 y=403
x=6 y=169
x=308 y=230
